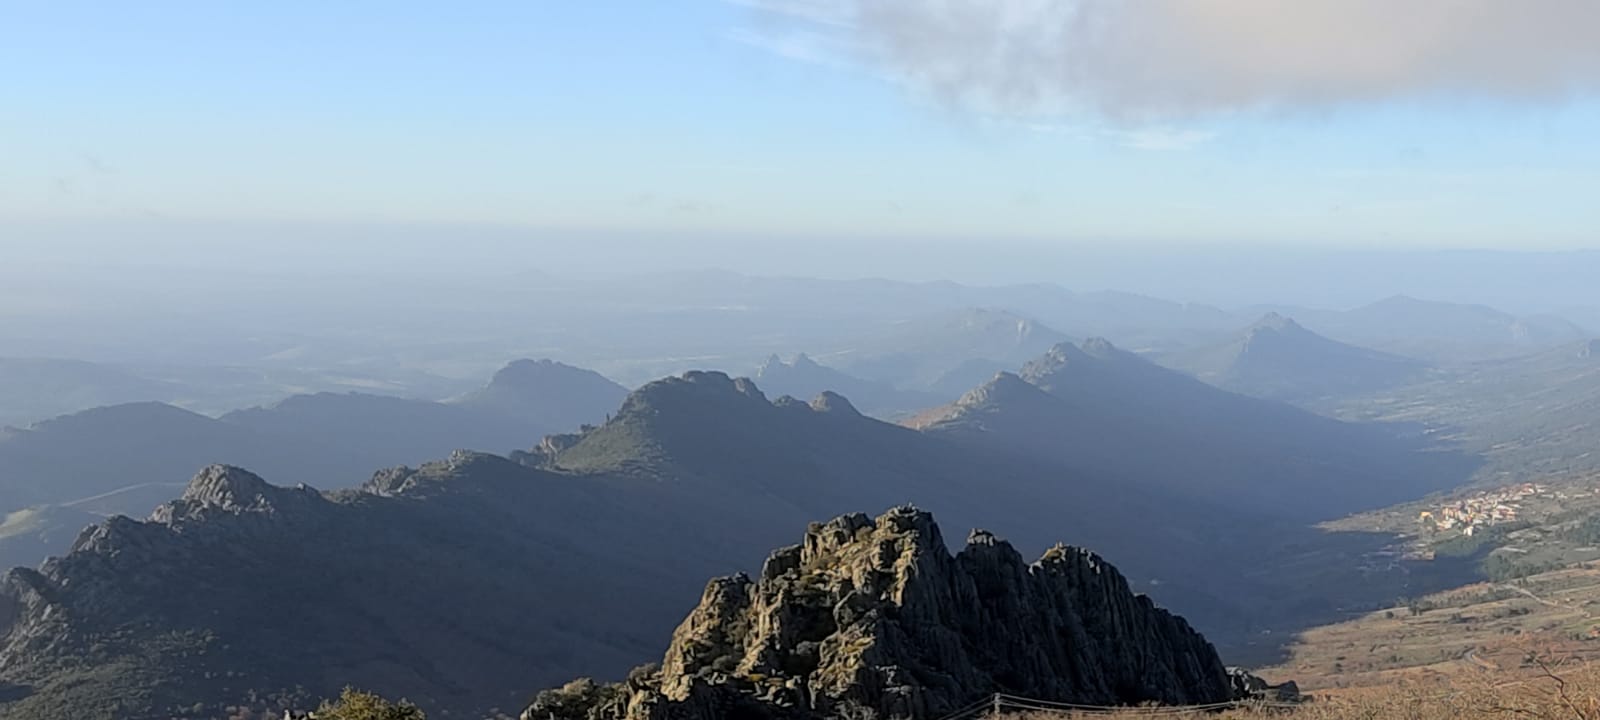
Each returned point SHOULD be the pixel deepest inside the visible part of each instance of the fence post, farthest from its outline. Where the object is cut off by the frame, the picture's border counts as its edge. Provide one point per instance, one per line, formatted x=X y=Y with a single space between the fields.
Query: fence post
x=996 y=705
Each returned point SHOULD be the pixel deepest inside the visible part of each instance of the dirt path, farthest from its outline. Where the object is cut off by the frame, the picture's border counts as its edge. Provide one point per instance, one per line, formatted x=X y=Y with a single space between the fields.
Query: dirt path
x=1543 y=601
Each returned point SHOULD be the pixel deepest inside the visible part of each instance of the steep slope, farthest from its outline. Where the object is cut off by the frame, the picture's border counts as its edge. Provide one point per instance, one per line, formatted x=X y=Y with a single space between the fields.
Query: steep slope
x=544 y=394
x=1106 y=411
x=1278 y=358
x=803 y=377
x=878 y=616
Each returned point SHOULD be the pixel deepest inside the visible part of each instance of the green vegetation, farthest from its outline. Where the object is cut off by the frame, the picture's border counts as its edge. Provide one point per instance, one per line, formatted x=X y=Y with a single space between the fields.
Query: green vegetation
x=1503 y=568
x=354 y=704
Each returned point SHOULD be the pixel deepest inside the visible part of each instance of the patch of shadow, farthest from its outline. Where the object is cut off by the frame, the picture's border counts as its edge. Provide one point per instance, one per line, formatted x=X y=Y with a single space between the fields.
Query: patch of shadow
x=12 y=693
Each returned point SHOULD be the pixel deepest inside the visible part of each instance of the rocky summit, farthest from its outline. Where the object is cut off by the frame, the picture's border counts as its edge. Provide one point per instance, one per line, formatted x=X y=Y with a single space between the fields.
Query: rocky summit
x=876 y=616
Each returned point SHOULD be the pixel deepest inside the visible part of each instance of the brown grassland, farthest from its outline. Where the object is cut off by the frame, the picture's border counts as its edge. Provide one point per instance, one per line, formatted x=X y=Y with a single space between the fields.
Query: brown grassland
x=1524 y=649
x=1550 y=688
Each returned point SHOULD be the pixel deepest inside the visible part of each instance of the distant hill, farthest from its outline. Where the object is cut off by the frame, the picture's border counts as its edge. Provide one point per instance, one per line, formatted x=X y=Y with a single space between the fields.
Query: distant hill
x=33 y=389
x=803 y=377
x=1441 y=332
x=1113 y=413
x=388 y=430
x=1278 y=358
x=101 y=450
x=328 y=440
x=546 y=394
x=919 y=354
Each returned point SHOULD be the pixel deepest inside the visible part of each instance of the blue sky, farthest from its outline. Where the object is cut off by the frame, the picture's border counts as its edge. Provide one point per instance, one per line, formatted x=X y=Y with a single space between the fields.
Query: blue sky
x=724 y=118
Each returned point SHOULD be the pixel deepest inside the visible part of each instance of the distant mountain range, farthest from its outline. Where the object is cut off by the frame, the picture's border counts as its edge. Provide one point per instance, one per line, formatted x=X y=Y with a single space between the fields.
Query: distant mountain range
x=1278 y=358
x=802 y=377
x=936 y=352
x=328 y=440
x=36 y=388
x=466 y=583
x=1439 y=332
x=1114 y=414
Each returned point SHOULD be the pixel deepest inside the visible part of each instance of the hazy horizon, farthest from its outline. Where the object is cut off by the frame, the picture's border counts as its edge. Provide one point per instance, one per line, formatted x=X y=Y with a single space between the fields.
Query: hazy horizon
x=766 y=120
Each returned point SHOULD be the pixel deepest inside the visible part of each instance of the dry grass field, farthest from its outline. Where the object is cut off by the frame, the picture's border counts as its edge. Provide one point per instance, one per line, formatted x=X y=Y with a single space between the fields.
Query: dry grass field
x=1487 y=627
x=1547 y=687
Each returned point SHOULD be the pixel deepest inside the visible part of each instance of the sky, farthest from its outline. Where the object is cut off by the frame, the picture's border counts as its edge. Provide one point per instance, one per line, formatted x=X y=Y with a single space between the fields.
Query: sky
x=778 y=123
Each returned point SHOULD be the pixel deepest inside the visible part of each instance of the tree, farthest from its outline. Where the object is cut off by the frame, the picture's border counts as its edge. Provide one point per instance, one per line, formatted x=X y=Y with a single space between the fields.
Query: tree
x=354 y=704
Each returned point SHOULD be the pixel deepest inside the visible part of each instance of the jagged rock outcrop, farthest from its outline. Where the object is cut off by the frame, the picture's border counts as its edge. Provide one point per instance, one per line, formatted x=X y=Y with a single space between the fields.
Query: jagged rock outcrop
x=1249 y=686
x=878 y=615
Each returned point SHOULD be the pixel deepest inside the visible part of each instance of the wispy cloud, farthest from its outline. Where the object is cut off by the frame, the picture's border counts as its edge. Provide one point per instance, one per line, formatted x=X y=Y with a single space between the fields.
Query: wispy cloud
x=799 y=45
x=1162 y=60
x=1155 y=139
x=833 y=13
x=1162 y=139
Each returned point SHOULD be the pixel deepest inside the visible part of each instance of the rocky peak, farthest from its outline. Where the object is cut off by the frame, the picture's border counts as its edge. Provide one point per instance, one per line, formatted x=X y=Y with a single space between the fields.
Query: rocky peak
x=877 y=615
x=693 y=388
x=776 y=364
x=1099 y=347
x=1274 y=322
x=1059 y=356
x=229 y=487
x=226 y=490
x=772 y=364
x=1004 y=388
x=832 y=402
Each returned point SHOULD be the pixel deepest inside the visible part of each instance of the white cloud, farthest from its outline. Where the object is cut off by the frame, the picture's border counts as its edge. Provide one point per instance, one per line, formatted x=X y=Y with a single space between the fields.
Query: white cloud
x=1145 y=60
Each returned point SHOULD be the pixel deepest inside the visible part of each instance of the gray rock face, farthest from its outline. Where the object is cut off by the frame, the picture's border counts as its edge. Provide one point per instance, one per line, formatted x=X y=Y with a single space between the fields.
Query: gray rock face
x=1248 y=686
x=878 y=615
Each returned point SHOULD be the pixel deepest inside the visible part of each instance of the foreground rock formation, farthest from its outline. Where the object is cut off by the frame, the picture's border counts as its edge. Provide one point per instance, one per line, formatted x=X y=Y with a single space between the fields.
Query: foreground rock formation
x=877 y=616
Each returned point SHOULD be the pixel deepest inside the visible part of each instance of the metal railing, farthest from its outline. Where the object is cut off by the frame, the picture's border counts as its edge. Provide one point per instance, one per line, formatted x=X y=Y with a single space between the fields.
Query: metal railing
x=999 y=703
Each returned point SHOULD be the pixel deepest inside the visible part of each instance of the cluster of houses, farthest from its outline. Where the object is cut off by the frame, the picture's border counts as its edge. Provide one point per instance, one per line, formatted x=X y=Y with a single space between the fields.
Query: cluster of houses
x=1490 y=508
